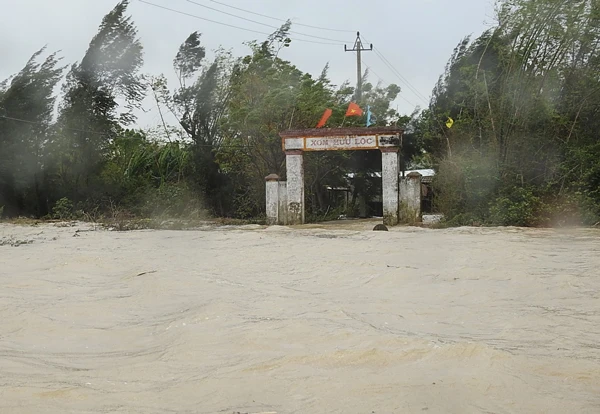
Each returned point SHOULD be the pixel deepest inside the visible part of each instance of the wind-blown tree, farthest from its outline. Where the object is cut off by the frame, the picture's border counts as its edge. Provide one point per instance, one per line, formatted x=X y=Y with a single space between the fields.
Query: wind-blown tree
x=523 y=96
x=26 y=107
x=100 y=95
x=322 y=169
x=199 y=104
x=269 y=95
x=3 y=86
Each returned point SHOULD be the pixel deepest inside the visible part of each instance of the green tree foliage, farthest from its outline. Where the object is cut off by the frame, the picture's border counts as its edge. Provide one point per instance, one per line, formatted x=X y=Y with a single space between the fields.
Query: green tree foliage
x=199 y=104
x=229 y=113
x=149 y=178
x=524 y=148
x=90 y=114
x=524 y=96
x=269 y=95
x=26 y=105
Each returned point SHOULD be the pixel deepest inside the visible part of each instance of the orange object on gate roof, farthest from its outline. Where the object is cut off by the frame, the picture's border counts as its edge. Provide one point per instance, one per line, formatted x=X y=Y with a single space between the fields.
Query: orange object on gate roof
x=354 y=110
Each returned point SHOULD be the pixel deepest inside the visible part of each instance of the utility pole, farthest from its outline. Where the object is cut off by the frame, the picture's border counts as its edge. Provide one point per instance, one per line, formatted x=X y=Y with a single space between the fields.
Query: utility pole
x=358 y=48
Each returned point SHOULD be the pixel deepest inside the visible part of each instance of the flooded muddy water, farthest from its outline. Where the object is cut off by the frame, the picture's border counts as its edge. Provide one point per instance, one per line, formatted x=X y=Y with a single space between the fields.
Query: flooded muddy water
x=319 y=319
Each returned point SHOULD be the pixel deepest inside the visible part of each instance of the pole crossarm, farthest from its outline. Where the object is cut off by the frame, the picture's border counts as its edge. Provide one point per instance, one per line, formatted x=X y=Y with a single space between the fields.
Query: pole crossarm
x=358 y=48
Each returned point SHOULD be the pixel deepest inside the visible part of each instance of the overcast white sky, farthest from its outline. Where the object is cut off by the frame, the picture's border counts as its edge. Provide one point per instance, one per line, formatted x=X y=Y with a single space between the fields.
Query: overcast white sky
x=416 y=36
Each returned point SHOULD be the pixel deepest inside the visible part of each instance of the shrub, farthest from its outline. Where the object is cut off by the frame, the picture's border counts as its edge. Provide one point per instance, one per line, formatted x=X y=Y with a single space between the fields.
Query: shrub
x=63 y=209
x=173 y=201
x=571 y=209
x=463 y=187
x=516 y=206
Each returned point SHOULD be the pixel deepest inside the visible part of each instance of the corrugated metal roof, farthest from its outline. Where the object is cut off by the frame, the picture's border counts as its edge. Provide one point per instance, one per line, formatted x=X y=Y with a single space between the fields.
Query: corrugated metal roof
x=424 y=173
x=372 y=175
x=427 y=174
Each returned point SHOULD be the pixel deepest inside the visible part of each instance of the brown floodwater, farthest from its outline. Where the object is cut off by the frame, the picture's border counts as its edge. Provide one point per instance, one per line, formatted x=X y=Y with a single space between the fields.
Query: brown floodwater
x=320 y=319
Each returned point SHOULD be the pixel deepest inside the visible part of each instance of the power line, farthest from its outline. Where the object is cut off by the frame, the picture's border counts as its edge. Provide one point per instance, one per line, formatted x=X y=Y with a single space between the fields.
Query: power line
x=10 y=118
x=410 y=86
x=413 y=89
x=384 y=81
x=201 y=18
x=375 y=73
x=226 y=24
x=25 y=121
x=281 y=20
x=399 y=75
x=21 y=120
x=261 y=23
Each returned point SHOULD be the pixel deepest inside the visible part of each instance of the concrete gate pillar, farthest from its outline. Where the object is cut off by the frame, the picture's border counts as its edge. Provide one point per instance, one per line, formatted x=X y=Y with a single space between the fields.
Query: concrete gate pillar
x=272 y=199
x=389 y=176
x=410 y=197
x=294 y=161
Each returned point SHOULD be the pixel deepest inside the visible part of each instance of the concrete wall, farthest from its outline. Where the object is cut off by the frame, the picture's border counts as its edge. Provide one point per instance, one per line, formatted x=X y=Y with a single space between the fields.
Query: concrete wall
x=283 y=204
x=389 y=175
x=272 y=199
x=294 y=161
x=410 y=198
x=276 y=201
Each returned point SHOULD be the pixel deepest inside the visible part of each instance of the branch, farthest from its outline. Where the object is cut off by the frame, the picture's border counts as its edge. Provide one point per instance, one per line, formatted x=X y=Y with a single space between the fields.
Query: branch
x=162 y=118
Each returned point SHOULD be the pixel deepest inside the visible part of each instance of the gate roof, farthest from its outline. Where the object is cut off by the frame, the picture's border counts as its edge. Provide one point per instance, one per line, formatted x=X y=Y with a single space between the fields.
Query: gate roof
x=336 y=132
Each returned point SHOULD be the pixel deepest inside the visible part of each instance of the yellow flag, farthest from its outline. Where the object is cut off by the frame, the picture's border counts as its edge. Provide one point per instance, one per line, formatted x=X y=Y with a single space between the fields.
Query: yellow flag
x=449 y=122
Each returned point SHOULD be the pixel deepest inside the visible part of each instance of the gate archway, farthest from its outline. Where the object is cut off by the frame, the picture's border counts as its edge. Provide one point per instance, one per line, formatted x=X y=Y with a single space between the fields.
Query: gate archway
x=285 y=200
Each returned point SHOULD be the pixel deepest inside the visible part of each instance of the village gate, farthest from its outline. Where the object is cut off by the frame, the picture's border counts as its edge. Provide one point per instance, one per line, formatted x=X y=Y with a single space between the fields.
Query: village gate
x=401 y=196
